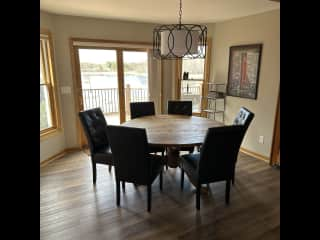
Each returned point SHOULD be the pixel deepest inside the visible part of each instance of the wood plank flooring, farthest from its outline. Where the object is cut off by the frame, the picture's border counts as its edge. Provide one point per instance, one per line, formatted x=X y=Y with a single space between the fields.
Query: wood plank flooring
x=72 y=208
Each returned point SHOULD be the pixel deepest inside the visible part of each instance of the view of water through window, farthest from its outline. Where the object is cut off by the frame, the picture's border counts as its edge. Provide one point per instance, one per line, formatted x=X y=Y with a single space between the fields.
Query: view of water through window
x=99 y=80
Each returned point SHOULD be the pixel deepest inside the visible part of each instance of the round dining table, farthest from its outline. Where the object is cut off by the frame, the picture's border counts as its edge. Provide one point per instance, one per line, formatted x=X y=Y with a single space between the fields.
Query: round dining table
x=173 y=132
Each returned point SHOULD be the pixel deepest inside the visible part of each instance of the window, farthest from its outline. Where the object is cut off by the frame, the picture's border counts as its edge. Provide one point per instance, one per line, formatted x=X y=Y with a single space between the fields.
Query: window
x=49 y=120
x=191 y=84
x=192 y=77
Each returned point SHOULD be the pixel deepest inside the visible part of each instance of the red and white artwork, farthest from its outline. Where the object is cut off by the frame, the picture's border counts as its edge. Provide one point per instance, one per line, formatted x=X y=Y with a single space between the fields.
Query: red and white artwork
x=244 y=66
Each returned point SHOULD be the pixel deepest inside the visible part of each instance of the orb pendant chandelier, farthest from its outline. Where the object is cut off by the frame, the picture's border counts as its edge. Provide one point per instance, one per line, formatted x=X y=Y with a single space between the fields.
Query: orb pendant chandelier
x=176 y=41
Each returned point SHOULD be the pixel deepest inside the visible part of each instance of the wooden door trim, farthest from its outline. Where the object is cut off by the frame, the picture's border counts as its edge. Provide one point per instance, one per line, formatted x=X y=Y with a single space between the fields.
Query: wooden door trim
x=161 y=87
x=120 y=73
x=75 y=66
x=275 y=150
x=207 y=66
x=94 y=40
x=178 y=80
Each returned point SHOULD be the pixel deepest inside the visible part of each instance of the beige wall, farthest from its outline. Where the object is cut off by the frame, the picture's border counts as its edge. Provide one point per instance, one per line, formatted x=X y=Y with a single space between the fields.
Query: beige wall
x=66 y=27
x=54 y=144
x=263 y=28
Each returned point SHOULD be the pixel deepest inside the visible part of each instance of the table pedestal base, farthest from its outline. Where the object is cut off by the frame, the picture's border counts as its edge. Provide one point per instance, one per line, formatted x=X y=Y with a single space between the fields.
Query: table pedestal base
x=173 y=157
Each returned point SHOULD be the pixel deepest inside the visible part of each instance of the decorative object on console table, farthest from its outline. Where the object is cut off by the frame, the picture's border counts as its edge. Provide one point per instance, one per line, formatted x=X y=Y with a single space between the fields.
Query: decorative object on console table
x=244 y=68
x=185 y=76
x=215 y=101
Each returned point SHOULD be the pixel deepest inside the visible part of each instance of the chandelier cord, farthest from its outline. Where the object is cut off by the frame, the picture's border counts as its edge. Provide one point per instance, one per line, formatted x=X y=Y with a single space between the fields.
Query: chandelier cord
x=180 y=13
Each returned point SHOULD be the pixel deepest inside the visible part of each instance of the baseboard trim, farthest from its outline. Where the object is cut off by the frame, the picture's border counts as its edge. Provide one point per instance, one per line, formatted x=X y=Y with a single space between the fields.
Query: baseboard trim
x=254 y=154
x=58 y=156
x=70 y=150
x=52 y=158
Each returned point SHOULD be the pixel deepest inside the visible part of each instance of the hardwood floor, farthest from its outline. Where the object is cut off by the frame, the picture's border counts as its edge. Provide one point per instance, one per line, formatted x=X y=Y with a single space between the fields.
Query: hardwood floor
x=72 y=208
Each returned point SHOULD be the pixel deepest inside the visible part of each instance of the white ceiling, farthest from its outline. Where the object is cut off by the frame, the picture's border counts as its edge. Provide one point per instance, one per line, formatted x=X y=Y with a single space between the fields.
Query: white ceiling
x=160 y=11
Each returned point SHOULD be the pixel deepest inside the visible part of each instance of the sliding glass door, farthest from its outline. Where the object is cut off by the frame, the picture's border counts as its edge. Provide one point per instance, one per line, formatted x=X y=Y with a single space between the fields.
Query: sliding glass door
x=135 y=64
x=99 y=82
x=112 y=78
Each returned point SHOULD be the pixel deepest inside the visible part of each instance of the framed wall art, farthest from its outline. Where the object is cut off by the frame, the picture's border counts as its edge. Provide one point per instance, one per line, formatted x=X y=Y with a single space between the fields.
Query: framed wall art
x=244 y=68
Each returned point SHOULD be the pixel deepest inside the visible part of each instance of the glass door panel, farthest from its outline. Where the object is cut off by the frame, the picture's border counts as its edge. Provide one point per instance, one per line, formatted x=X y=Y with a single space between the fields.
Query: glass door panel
x=136 y=89
x=191 y=82
x=99 y=82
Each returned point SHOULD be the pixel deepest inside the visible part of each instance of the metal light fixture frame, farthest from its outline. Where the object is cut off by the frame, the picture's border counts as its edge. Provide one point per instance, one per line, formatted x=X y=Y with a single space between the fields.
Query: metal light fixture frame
x=188 y=28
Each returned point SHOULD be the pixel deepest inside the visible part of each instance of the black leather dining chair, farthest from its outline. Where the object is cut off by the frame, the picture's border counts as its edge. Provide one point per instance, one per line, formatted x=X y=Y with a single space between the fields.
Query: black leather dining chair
x=95 y=129
x=133 y=163
x=181 y=108
x=243 y=118
x=216 y=159
x=142 y=109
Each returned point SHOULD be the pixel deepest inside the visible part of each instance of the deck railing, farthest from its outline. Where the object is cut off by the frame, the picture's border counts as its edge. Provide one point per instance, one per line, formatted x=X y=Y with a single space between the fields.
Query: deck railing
x=108 y=98
x=191 y=90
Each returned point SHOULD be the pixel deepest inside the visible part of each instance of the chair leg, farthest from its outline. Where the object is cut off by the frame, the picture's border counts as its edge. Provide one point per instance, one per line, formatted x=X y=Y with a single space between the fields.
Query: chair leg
x=149 y=197
x=198 y=196
x=161 y=179
x=94 y=172
x=123 y=186
x=163 y=157
x=227 y=191
x=182 y=179
x=118 y=192
x=110 y=167
x=166 y=159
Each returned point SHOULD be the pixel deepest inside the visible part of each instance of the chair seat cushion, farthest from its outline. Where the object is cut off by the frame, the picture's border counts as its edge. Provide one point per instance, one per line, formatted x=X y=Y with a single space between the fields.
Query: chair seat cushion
x=189 y=163
x=103 y=155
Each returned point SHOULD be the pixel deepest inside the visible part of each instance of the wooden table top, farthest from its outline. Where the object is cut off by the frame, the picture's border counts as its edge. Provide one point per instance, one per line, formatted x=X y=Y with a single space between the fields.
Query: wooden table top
x=174 y=130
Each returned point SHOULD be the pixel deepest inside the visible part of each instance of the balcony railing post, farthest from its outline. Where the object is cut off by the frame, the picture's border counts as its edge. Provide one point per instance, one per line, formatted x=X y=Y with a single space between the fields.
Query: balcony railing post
x=127 y=98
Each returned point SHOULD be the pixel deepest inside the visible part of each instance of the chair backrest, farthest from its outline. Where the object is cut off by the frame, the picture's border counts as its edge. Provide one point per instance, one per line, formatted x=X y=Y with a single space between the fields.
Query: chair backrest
x=219 y=153
x=244 y=117
x=129 y=148
x=140 y=109
x=180 y=107
x=95 y=128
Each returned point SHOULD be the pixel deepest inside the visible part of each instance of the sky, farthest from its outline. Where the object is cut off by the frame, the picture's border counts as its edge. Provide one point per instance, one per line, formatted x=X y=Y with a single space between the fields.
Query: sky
x=102 y=56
